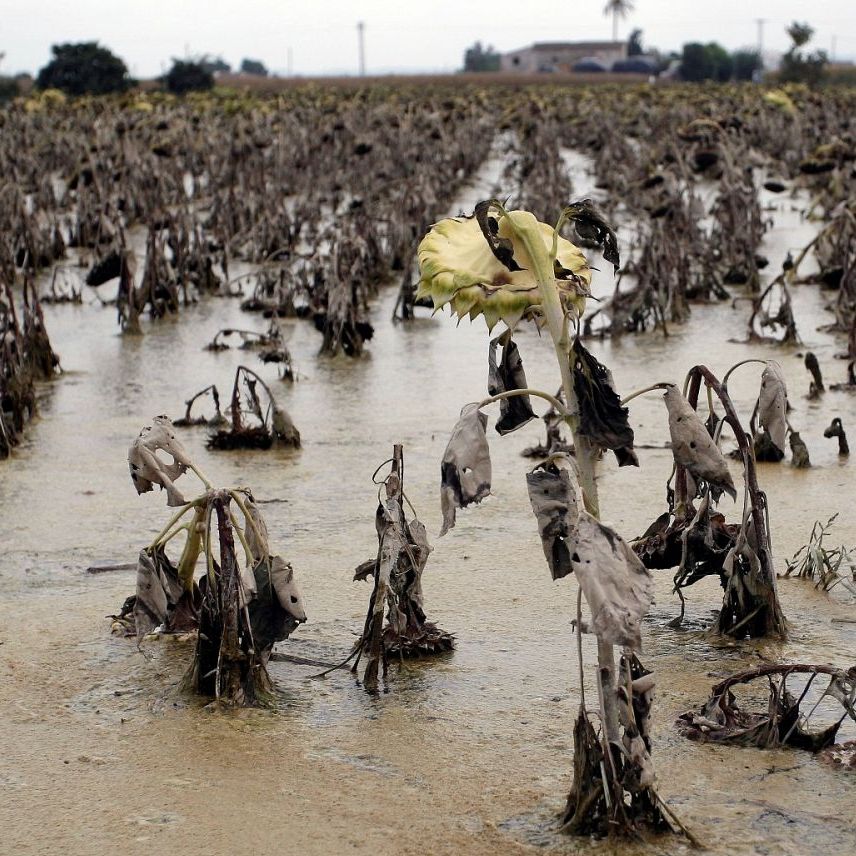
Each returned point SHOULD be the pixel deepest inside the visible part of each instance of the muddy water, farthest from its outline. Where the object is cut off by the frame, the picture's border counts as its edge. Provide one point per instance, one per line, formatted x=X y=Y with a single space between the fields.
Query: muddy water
x=470 y=754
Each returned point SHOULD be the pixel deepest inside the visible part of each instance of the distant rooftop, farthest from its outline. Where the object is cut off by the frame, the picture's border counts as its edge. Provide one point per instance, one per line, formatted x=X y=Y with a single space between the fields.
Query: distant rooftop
x=557 y=46
x=561 y=56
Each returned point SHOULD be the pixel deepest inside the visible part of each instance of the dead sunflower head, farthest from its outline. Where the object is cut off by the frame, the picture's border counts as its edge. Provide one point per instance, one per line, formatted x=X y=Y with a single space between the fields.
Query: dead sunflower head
x=480 y=265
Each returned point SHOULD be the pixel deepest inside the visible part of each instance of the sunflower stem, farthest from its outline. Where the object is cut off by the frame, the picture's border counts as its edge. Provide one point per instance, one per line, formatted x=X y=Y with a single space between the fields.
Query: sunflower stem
x=737 y=366
x=525 y=226
x=510 y=393
x=542 y=261
x=644 y=389
x=192 y=549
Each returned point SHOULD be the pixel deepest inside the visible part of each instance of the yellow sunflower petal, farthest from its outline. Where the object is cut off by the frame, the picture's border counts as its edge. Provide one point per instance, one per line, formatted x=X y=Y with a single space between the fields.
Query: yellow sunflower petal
x=457 y=266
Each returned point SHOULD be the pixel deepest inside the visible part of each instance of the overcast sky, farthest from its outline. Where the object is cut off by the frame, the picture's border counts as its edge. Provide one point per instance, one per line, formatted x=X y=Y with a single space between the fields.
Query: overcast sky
x=400 y=35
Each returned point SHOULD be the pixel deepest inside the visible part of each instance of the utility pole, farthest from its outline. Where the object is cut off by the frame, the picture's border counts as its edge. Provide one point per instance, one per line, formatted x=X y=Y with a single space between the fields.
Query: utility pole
x=760 y=22
x=361 y=41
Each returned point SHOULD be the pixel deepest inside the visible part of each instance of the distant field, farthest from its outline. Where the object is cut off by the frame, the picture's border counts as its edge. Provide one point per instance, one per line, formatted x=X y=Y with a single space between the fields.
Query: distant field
x=274 y=84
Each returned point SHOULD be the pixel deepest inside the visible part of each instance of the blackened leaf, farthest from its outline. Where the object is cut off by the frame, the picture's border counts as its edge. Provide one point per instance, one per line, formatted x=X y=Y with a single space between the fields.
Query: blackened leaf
x=561 y=272
x=102 y=271
x=506 y=375
x=502 y=248
x=591 y=225
x=465 y=470
x=158 y=591
x=554 y=501
x=602 y=418
x=813 y=366
x=277 y=608
x=626 y=457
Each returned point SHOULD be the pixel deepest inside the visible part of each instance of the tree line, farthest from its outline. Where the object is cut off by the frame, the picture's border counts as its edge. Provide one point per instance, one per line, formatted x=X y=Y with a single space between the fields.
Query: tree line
x=698 y=61
x=88 y=68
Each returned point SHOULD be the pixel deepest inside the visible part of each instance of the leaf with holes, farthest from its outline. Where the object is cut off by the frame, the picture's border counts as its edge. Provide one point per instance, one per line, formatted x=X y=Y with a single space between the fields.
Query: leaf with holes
x=465 y=471
x=552 y=492
x=147 y=469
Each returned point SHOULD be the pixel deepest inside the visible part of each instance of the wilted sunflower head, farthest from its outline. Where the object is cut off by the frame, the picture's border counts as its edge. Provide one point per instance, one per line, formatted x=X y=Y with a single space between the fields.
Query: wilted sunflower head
x=480 y=266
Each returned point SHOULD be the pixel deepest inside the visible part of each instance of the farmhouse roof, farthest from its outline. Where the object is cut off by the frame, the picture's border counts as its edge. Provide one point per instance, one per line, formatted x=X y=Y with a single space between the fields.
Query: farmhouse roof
x=553 y=46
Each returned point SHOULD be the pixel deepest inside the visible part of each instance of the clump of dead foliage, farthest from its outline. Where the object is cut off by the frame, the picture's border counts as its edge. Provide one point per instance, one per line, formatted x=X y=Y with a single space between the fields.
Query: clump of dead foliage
x=245 y=599
x=396 y=626
x=722 y=719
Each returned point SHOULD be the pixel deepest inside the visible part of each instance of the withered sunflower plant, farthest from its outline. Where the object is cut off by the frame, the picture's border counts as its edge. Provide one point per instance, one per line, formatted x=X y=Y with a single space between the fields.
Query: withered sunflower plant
x=507 y=266
x=244 y=601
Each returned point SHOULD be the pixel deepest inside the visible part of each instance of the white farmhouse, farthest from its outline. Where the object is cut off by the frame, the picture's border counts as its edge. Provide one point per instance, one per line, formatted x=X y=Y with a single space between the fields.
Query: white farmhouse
x=561 y=56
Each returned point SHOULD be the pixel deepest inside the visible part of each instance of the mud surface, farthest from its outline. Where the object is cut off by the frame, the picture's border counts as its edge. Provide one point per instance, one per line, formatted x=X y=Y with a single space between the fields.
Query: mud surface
x=469 y=754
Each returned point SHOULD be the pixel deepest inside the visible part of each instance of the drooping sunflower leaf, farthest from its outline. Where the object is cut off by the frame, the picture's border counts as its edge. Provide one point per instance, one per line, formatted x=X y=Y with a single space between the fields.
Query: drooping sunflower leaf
x=147 y=469
x=276 y=608
x=554 y=501
x=158 y=591
x=602 y=418
x=506 y=375
x=592 y=226
x=692 y=446
x=618 y=588
x=773 y=404
x=104 y=270
x=813 y=366
x=465 y=471
x=502 y=248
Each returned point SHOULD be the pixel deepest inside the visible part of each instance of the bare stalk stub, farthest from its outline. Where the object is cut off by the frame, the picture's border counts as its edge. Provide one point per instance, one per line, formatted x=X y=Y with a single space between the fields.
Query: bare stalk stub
x=396 y=624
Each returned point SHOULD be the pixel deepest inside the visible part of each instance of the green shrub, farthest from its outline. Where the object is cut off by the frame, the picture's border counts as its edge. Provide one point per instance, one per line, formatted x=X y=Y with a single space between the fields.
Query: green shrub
x=188 y=76
x=84 y=68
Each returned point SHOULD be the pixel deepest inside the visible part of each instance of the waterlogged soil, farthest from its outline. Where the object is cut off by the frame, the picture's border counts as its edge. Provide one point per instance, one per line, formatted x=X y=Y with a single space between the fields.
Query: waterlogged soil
x=472 y=753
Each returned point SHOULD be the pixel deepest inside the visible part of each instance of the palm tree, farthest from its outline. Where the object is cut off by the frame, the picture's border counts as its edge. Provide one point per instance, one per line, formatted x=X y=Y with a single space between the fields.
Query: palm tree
x=618 y=9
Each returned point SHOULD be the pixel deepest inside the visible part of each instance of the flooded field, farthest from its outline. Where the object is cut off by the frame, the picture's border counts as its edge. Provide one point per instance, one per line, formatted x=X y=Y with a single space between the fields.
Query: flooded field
x=468 y=753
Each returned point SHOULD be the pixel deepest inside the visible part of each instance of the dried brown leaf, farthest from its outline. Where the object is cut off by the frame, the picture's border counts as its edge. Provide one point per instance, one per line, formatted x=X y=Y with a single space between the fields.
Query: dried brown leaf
x=552 y=493
x=773 y=404
x=616 y=585
x=506 y=375
x=147 y=469
x=694 y=448
x=465 y=471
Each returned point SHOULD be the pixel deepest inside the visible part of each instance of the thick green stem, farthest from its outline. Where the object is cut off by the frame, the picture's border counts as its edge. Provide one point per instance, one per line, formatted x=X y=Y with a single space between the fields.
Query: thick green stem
x=737 y=366
x=642 y=391
x=192 y=549
x=248 y=553
x=262 y=540
x=172 y=521
x=202 y=477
